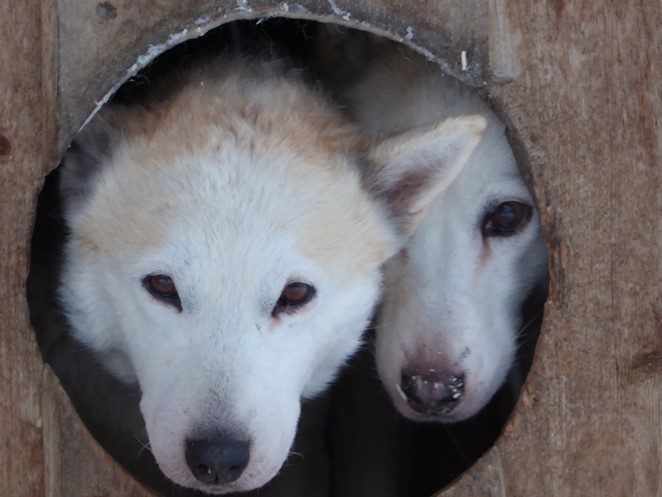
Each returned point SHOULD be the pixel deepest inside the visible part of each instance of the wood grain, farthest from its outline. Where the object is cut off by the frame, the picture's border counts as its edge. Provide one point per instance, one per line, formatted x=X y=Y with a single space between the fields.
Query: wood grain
x=578 y=83
x=27 y=125
x=75 y=464
x=586 y=107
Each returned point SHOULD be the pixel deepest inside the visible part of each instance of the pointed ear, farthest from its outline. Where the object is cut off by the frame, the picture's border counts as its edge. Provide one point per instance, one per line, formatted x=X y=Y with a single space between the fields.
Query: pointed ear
x=409 y=170
x=85 y=157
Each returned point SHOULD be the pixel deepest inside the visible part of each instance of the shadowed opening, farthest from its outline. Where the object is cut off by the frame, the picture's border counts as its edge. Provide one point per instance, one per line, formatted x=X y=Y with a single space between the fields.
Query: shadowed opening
x=351 y=441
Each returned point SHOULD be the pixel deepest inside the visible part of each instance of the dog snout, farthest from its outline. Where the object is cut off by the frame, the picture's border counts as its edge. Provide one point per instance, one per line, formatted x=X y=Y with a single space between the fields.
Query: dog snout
x=218 y=459
x=432 y=393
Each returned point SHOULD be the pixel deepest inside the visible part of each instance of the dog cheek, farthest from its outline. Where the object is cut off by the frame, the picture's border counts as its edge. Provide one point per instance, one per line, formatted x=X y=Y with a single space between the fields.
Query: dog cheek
x=272 y=436
x=165 y=438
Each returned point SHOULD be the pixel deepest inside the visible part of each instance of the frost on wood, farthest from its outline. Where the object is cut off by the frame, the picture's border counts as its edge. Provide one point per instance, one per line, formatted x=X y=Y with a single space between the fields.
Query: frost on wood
x=338 y=11
x=152 y=52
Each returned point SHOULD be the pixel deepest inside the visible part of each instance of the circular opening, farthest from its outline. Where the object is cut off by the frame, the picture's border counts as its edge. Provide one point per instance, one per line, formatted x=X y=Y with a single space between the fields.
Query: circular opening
x=455 y=338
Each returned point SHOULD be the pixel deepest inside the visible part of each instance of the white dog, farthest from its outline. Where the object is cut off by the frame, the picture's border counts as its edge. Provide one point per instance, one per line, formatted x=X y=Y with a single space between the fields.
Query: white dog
x=225 y=251
x=447 y=330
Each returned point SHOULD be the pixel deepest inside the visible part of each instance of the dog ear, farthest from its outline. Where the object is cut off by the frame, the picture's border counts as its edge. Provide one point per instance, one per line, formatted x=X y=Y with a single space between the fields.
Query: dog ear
x=409 y=170
x=86 y=155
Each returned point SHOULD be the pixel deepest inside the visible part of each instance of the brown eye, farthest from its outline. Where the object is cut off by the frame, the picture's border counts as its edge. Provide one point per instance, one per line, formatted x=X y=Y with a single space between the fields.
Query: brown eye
x=163 y=288
x=506 y=219
x=294 y=296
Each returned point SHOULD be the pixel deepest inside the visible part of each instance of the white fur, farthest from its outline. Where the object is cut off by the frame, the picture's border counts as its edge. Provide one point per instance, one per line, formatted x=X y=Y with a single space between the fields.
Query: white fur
x=444 y=309
x=230 y=189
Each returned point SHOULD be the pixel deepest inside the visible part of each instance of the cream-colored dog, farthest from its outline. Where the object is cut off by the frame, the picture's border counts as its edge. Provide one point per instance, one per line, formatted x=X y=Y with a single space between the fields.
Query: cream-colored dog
x=447 y=330
x=225 y=249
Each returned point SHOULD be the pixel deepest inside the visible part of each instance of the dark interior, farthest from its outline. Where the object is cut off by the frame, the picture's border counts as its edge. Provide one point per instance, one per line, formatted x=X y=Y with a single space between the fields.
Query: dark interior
x=351 y=441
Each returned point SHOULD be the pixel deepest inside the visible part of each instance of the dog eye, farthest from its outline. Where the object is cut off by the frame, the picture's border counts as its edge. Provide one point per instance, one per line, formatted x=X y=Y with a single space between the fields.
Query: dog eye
x=294 y=296
x=163 y=288
x=506 y=219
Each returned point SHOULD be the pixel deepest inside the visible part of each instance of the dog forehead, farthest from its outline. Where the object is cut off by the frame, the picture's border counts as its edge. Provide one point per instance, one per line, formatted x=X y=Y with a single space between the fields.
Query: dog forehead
x=233 y=194
x=242 y=155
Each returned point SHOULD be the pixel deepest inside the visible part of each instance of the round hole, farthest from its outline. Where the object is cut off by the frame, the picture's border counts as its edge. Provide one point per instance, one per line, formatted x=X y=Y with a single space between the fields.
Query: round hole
x=354 y=435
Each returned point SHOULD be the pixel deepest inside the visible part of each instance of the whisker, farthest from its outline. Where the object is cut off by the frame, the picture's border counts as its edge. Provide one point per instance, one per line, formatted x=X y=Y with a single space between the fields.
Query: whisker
x=529 y=323
x=143 y=446
x=293 y=453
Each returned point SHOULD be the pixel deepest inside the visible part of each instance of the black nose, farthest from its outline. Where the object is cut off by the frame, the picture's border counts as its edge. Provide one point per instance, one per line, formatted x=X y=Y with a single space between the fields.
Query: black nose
x=432 y=393
x=215 y=460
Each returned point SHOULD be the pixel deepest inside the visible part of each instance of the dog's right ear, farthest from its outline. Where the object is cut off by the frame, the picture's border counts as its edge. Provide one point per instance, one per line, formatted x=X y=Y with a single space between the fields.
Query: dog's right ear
x=409 y=170
x=87 y=154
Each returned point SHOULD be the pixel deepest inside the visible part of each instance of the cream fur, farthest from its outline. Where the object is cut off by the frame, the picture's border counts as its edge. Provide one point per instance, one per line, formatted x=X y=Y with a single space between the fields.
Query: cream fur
x=448 y=306
x=240 y=179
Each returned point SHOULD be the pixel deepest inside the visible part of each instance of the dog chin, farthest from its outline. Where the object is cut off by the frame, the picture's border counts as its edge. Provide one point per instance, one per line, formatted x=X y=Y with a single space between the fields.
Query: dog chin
x=457 y=416
x=232 y=488
x=181 y=476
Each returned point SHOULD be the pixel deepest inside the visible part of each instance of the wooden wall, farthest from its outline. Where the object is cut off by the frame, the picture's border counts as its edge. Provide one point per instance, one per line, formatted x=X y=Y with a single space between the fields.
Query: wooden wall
x=577 y=81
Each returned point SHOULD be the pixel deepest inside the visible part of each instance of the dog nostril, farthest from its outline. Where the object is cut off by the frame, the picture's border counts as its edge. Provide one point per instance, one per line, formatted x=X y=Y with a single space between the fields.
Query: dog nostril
x=432 y=393
x=219 y=459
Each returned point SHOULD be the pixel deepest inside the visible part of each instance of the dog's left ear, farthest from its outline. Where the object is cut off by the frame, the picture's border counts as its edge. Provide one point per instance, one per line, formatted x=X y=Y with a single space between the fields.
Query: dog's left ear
x=408 y=171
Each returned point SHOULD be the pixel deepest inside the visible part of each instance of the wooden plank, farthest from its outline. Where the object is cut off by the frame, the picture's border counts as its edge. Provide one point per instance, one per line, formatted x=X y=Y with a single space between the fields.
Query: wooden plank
x=76 y=465
x=99 y=45
x=27 y=126
x=584 y=100
x=586 y=105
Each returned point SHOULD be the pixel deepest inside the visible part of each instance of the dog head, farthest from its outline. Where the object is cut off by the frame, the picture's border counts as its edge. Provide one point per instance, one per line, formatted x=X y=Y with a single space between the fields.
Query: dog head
x=225 y=253
x=446 y=333
x=452 y=310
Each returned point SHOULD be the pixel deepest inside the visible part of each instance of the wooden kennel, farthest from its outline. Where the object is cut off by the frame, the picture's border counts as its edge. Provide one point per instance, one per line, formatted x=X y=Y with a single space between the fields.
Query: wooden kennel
x=577 y=83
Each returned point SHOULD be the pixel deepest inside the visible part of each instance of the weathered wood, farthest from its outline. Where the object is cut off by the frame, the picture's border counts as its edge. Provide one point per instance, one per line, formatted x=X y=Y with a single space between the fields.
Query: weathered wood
x=75 y=464
x=586 y=100
x=99 y=46
x=579 y=84
x=27 y=127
